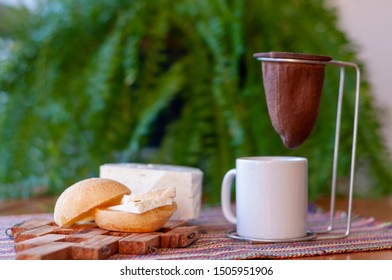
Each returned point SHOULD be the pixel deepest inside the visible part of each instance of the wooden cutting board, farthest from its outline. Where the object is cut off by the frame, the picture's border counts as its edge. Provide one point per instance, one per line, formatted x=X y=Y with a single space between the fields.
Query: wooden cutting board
x=43 y=239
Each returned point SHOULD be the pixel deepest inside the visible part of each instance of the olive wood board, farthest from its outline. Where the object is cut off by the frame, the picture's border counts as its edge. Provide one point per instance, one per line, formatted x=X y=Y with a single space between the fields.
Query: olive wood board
x=43 y=239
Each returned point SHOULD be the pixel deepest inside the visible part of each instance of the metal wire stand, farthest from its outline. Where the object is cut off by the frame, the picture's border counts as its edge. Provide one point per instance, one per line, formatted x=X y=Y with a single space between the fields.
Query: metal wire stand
x=326 y=234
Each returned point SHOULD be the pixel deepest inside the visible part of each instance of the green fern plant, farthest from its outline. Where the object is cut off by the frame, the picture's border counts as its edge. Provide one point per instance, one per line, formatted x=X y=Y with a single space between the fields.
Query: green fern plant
x=90 y=83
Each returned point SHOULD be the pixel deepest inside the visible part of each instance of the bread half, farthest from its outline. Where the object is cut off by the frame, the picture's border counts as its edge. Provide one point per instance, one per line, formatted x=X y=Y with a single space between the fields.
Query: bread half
x=149 y=221
x=78 y=202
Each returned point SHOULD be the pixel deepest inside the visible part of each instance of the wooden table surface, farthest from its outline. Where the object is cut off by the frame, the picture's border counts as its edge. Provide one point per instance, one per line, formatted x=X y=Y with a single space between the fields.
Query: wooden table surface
x=380 y=208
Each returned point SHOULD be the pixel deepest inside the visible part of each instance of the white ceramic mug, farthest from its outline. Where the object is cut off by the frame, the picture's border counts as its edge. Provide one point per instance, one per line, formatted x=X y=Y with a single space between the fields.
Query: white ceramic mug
x=271 y=197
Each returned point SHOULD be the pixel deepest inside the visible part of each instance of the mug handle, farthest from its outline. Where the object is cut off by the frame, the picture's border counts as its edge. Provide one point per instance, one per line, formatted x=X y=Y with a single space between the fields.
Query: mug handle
x=225 y=196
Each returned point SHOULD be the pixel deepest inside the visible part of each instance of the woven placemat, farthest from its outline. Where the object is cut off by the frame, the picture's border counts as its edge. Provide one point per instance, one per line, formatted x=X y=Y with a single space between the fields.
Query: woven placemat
x=367 y=234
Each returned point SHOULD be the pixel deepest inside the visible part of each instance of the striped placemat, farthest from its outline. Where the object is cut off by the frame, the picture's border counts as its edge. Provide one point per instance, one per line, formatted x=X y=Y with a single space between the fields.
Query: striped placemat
x=366 y=234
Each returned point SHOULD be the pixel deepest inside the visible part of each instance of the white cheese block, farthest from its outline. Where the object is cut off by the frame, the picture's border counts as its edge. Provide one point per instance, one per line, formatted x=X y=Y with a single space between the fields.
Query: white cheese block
x=146 y=177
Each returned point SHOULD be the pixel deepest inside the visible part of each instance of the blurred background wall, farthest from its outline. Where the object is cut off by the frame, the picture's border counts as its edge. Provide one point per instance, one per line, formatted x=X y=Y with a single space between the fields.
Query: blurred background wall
x=368 y=23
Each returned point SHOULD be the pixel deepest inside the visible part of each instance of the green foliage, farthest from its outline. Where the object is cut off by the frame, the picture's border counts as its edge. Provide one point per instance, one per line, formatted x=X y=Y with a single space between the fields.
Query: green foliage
x=92 y=82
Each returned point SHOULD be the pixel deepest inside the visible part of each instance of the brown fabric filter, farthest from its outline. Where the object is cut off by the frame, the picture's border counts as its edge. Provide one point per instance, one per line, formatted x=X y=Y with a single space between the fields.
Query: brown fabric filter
x=293 y=93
